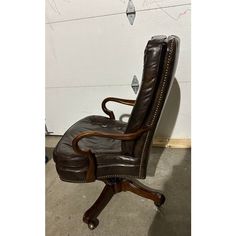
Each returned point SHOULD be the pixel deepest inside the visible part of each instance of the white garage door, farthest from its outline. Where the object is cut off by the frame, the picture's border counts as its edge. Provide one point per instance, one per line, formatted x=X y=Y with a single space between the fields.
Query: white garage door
x=92 y=52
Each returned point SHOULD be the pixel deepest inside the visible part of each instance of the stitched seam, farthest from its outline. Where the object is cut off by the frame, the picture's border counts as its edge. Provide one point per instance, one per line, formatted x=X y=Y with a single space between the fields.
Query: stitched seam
x=102 y=177
x=75 y=181
x=83 y=180
x=158 y=103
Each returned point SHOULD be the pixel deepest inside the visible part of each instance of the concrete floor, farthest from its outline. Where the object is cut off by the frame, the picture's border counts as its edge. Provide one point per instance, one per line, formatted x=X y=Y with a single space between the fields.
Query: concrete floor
x=169 y=170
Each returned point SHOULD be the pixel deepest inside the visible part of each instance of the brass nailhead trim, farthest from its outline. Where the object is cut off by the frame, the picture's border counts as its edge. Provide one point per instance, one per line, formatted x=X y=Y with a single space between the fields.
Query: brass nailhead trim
x=159 y=100
x=108 y=176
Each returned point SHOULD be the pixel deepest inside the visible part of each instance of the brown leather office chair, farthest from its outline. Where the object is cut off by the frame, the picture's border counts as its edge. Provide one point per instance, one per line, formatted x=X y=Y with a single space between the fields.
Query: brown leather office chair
x=103 y=148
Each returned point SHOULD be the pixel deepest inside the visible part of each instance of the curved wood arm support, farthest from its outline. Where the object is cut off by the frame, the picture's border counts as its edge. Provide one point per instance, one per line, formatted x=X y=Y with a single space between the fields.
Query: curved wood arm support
x=90 y=177
x=119 y=100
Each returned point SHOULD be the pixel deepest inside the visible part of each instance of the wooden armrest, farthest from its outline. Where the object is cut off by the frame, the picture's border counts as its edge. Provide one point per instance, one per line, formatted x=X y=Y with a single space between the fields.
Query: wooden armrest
x=119 y=100
x=90 y=176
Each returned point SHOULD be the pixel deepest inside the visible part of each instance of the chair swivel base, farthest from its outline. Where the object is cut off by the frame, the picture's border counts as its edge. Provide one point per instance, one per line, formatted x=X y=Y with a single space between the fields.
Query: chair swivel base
x=116 y=185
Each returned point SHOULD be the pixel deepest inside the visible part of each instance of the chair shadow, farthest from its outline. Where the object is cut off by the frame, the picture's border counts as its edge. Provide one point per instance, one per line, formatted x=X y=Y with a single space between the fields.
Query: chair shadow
x=170 y=113
x=165 y=126
x=174 y=217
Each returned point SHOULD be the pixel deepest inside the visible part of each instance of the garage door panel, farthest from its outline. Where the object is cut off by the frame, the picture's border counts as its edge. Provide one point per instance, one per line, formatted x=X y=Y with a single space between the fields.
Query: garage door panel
x=59 y=10
x=109 y=51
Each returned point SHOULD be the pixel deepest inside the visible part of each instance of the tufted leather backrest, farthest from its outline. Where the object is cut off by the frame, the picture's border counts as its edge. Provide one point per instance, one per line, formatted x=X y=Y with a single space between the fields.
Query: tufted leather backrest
x=160 y=60
x=152 y=57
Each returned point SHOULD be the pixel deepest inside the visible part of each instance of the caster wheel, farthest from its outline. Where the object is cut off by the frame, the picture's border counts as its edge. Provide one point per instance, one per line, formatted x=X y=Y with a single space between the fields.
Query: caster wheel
x=162 y=200
x=92 y=224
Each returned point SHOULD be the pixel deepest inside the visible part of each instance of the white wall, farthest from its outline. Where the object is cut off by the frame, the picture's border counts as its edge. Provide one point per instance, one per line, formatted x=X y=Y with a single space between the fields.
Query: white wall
x=92 y=54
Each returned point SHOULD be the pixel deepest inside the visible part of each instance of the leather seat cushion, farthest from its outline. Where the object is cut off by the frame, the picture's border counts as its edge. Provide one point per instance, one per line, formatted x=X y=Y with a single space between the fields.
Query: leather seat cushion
x=110 y=160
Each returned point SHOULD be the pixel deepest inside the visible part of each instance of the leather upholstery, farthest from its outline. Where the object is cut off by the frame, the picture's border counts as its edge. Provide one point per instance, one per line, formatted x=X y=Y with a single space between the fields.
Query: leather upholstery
x=110 y=160
x=150 y=80
x=116 y=158
x=151 y=68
